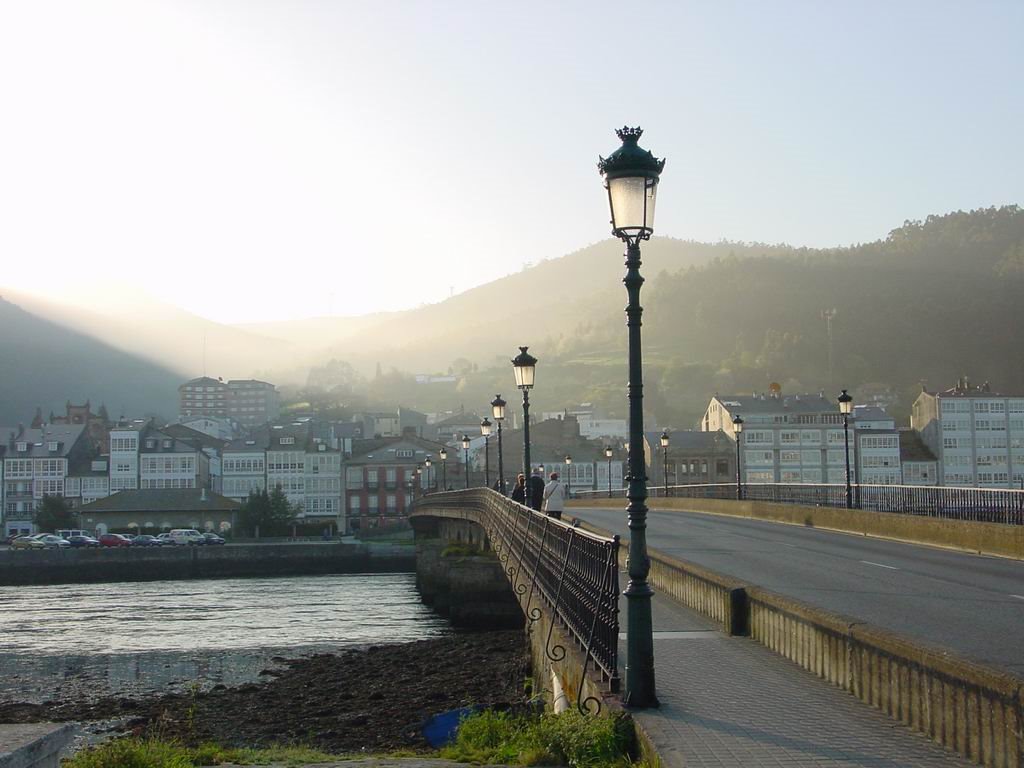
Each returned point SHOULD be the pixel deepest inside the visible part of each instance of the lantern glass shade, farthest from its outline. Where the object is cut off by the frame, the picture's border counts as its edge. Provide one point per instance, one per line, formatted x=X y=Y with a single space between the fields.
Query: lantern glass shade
x=608 y=452
x=845 y=403
x=737 y=425
x=524 y=364
x=568 y=460
x=664 y=439
x=443 y=454
x=485 y=428
x=632 y=200
x=465 y=442
x=498 y=408
x=427 y=462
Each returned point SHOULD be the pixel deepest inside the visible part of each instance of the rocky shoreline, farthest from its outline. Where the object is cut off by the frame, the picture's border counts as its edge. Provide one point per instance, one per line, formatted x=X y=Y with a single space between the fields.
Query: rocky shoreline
x=370 y=699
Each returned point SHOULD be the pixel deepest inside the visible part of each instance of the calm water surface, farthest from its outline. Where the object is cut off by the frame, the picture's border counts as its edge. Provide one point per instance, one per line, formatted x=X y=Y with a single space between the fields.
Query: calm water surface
x=129 y=639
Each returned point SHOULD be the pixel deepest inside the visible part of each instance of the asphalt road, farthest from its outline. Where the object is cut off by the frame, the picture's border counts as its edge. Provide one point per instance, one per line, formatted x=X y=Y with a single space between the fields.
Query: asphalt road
x=971 y=604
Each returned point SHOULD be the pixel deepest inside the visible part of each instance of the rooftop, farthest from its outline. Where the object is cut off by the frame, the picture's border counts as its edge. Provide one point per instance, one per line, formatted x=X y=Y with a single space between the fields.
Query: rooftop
x=163 y=500
x=768 y=403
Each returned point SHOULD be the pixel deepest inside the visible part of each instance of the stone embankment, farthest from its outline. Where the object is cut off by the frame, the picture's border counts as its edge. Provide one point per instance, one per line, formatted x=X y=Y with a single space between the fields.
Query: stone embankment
x=35 y=567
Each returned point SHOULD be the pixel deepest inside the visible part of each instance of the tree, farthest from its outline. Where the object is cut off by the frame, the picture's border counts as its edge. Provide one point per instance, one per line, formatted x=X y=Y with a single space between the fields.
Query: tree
x=54 y=514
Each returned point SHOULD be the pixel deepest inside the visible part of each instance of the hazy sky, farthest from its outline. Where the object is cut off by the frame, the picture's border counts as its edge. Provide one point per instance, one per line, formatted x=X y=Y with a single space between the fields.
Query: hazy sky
x=262 y=160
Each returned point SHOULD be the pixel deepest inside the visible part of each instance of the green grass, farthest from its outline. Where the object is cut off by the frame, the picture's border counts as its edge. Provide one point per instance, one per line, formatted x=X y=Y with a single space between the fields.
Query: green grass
x=571 y=739
x=156 y=753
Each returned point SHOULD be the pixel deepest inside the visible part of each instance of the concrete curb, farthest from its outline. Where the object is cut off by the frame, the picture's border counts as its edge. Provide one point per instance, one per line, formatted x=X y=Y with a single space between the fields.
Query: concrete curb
x=34 y=745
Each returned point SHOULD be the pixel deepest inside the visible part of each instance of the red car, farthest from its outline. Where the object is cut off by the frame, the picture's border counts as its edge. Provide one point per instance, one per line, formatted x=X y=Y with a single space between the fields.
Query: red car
x=114 y=540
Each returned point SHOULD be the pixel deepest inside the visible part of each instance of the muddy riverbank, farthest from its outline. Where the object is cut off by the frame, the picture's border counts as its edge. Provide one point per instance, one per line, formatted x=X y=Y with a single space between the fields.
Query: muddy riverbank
x=374 y=698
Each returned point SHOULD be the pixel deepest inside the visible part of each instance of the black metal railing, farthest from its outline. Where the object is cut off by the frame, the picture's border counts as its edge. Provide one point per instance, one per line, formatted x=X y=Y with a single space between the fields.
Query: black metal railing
x=986 y=505
x=553 y=566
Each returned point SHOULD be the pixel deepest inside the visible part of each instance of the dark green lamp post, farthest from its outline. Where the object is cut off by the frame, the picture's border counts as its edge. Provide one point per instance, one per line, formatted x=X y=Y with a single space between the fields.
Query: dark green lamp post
x=568 y=476
x=846 y=408
x=664 y=457
x=443 y=454
x=525 y=367
x=608 y=455
x=737 y=428
x=465 y=450
x=485 y=430
x=498 y=414
x=427 y=462
x=631 y=178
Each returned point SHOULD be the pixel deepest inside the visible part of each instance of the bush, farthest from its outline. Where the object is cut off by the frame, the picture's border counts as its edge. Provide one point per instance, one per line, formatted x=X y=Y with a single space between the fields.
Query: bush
x=571 y=738
x=156 y=753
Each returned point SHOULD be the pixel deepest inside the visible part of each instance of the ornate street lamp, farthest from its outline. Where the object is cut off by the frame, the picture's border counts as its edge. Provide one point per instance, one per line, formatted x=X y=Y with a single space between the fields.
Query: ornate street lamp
x=846 y=408
x=608 y=455
x=443 y=453
x=525 y=366
x=485 y=430
x=498 y=414
x=664 y=456
x=737 y=428
x=465 y=449
x=568 y=477
x=631 y=177
x=427 y=462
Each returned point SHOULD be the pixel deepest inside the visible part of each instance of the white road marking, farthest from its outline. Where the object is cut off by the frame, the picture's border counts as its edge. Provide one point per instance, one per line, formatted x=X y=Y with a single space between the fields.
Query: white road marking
x=692 y=634
x=890 y=567
x=1019 y=597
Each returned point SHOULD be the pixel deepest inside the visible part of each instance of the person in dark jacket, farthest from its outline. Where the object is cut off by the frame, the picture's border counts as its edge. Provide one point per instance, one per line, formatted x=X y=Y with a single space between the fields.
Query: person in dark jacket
x=537 y=488
x=519 y=490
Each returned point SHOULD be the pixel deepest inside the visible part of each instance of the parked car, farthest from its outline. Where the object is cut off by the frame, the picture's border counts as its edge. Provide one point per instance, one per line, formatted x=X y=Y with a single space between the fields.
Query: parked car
x=146 y=540
x=83 y=541
x=67 y=533
x=213 y=539
x=52 y=542
x=114 y=540
x=187 y=537
x=164 y=539
x=27 y=542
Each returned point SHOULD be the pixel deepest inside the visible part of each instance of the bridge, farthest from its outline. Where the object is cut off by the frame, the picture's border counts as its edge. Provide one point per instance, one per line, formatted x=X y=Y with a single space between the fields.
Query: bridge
x=892 y=623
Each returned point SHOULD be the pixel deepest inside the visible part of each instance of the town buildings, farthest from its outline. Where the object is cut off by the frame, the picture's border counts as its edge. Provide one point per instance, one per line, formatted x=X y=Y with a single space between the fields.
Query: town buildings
x=692 y=457
x=248 y=402
x=976 y=435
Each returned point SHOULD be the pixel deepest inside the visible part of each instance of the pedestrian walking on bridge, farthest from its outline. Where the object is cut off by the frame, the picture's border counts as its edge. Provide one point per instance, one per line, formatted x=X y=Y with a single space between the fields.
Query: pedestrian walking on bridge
x=554 y=497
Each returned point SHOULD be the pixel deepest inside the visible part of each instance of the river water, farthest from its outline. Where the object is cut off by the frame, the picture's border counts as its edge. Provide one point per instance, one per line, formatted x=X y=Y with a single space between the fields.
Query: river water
x=131 y=639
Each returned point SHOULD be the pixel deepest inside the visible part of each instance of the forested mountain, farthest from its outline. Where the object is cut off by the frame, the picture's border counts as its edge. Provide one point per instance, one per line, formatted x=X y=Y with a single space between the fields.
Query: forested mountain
x=45 y=364
x=933 y=300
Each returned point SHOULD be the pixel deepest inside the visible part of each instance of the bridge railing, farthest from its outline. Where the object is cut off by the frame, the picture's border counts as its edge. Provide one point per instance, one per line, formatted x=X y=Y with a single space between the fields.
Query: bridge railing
x=552 y=565
x=988 y=505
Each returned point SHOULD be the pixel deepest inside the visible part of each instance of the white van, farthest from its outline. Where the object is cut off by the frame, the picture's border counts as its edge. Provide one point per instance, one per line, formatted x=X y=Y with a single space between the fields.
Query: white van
x=186 y=536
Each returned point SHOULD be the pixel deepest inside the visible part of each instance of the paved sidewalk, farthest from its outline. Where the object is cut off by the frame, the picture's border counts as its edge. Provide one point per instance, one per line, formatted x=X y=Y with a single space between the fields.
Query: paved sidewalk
x=728 y=701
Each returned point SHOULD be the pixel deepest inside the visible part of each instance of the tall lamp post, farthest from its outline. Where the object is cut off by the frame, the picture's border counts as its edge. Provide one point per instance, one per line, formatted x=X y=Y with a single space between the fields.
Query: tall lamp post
x=525 y=367
x=427 y=462
x=498 y=414
x=465 y=450
x=568 y=476
x=737 y=428
x=664 y=456
x=485 y=430
x=608 y=455
x=631 y=177
x=846 y=408
x=443 y=453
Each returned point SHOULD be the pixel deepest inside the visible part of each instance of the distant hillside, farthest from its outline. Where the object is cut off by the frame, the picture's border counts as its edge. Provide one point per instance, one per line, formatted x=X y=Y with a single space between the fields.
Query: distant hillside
x=45 y=364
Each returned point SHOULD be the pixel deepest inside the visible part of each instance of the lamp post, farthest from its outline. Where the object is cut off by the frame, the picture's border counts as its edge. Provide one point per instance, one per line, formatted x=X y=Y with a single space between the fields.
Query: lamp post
x=465 y=450
x=485 y=430
x=737 y=428
x=631 y=179
x=608 y=455
x=498 y=414
x=443 y=453
x=846 y=408
x=525 y=367
x=568 y=476
x=664 y=456
x=427 y=462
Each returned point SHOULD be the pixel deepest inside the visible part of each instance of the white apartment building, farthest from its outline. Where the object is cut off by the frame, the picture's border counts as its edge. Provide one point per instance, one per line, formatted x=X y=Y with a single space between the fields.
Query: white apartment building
x=286 y=461
x=244 y=466
x=786 y=438
x=976 y=435
x=124 y=456
x=143 y=457
x=876 y=451
x=36 y=464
